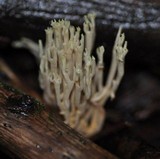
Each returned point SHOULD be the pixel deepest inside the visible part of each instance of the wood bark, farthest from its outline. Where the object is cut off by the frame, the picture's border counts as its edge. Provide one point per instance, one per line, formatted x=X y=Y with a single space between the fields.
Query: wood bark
x=24 y=17
x=28 y=132
x=139 y=18
x=139 y=14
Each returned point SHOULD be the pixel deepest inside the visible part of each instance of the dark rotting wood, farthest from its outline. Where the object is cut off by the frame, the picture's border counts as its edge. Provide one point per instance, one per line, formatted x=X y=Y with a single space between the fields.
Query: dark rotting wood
x=28 y=132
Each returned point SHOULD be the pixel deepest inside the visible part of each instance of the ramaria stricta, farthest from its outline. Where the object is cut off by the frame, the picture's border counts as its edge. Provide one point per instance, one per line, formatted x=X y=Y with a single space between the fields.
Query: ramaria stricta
x=70 y=76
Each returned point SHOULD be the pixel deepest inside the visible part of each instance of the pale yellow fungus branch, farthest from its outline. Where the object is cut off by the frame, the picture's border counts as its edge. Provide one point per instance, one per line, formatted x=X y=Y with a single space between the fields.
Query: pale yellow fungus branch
x=116 y=71
x=70 y=76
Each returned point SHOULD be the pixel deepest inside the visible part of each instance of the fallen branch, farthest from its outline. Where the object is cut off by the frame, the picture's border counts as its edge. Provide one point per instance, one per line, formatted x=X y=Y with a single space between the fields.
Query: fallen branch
x=29 y=132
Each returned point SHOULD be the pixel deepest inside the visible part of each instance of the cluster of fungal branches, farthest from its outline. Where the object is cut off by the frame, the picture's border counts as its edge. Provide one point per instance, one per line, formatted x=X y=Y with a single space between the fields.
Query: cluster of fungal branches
x=72 y=79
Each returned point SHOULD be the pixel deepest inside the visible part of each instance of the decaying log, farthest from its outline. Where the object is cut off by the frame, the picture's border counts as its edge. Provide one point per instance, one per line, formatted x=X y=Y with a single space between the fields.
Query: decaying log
x=140 y=20
x=139 y=14
x=24 y=17
x=28 y=132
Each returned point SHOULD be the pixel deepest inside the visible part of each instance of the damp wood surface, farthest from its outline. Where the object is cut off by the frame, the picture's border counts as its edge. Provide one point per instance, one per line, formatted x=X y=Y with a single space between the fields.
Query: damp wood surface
x=28 y=132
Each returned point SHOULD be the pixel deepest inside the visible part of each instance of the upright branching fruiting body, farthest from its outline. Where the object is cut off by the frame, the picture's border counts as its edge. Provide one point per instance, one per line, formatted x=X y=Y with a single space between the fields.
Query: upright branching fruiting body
x=71 y=78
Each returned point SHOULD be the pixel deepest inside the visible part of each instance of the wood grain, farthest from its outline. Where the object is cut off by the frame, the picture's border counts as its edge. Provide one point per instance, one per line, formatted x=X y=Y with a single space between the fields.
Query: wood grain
x=28 y=132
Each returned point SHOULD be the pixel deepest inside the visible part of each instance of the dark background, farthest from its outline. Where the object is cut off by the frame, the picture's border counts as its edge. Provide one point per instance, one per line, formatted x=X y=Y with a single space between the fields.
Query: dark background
x=135 y=113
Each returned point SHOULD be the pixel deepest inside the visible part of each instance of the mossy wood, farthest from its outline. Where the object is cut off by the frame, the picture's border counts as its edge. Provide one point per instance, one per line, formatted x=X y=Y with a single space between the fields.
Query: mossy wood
x=28 y=132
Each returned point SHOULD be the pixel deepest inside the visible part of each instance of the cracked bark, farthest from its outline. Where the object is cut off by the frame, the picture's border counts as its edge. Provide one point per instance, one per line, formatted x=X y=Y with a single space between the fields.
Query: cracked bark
x=140 y=20
x=35 y=15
